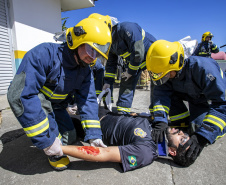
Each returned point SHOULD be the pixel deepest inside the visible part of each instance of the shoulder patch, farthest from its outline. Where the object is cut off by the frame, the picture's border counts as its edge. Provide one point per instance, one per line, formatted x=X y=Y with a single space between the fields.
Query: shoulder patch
x=210 y=76
x=128 y=33
x=132 y=160
x=139 y=132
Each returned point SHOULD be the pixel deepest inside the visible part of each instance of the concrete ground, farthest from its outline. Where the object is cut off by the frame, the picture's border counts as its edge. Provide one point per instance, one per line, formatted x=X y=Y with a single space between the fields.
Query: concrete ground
x=22 y=163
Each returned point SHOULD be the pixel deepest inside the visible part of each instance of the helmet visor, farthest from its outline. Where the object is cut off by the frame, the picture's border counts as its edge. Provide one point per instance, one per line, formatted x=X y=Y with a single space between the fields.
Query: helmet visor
x=103 y=48
x=155 y=76
x=91 y=52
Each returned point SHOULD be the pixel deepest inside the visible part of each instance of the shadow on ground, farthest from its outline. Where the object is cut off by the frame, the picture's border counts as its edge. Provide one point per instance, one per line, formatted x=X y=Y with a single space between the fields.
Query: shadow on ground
x=19 y=155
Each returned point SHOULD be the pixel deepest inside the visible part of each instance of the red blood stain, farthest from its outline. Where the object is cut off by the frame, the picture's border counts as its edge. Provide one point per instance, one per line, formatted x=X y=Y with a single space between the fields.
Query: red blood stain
x=89 y=150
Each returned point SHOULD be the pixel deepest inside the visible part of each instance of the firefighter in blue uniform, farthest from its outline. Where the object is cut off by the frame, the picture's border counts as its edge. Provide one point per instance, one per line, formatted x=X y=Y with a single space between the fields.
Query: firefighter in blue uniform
x=206 y=47
x=49 y=77
x=202 y=86
x=130 y=42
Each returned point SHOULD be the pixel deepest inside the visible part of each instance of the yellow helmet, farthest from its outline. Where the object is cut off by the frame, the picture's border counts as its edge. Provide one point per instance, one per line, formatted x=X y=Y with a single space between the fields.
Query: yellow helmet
x=90 y=31
x=162 y=57
x=206 y=34
x=105 y=18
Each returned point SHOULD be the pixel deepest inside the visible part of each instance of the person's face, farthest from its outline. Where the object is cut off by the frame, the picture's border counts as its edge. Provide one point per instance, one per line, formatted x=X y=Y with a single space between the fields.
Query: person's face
x=173 y=74
x=177 y=137
x=208 y=38
x=87 y=55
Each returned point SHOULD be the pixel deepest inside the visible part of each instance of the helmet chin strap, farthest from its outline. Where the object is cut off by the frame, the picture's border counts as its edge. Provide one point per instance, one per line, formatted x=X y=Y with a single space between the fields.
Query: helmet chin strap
x=81 y=62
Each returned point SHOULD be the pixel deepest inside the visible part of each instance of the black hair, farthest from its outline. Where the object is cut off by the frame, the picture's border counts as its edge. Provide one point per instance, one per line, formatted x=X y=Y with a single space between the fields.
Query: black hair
x=182 y=160
x=180 y=157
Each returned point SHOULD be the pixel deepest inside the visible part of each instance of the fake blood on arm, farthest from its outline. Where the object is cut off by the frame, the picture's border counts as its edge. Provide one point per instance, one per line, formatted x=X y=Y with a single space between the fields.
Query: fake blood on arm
x=89 y=150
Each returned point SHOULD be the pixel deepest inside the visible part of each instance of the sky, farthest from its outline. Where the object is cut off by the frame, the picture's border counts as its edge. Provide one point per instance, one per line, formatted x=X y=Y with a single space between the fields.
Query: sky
x=170 y=20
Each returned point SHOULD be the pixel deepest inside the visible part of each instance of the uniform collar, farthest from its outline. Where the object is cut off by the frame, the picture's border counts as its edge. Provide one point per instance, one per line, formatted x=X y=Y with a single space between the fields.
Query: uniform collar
x=182 y=72
x=68 y=57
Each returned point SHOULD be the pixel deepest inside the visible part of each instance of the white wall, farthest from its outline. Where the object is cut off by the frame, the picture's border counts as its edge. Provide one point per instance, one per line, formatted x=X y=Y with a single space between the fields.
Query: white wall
x=34 y=22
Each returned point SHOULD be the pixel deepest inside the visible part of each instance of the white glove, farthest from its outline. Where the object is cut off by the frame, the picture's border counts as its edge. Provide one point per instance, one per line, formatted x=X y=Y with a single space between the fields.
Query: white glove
x=54 y=149
x=105 y=86
x=126 y=75
x=97 y=143
x=108 y=98
x=72 y=108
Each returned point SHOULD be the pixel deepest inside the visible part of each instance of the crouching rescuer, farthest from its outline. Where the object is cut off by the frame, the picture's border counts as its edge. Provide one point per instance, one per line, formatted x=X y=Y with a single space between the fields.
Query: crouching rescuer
x=49 y=78
x=180 y=77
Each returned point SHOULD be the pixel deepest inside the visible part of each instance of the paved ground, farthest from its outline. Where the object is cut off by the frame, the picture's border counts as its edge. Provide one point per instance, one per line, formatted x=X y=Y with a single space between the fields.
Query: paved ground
x=22 y=163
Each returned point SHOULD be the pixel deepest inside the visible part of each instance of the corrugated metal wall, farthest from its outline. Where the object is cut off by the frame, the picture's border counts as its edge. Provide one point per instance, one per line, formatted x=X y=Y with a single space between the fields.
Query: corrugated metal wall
x=6 y=71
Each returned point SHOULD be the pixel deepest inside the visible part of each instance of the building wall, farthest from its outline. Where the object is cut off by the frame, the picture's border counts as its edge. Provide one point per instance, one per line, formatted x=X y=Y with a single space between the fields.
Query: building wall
x=6 y=55
x=33 y=22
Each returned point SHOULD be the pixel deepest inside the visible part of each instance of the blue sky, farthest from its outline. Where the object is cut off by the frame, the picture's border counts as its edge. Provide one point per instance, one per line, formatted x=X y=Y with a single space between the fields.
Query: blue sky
x=165 y=19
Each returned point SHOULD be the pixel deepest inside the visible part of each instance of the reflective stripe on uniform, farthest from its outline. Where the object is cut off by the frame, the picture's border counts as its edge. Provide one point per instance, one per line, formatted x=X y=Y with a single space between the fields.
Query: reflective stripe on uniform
x=125 y=109
x=126 y=54
x=90 y=124
x=59 y=136
x=133 y=67
x=98 y=91
x=216 y=121
x=142 y=65
x=151 y=110
x=202 y=53
x=110 y=75
x=180 y=116
x=161 y=108
x=50 y=94
x=37 y=129
x=214 y=47
x=222 y=74
x=218 y=137
x=143 y=34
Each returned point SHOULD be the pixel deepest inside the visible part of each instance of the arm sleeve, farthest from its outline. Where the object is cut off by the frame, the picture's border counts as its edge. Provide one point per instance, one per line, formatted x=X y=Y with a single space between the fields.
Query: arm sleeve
x=214 y=48
x=133 y=36
x=23 y=95
x=162 y=102
x=98 y=72
x=135 y=156
x=111 y=68
x=213 y=83
x=88 y=108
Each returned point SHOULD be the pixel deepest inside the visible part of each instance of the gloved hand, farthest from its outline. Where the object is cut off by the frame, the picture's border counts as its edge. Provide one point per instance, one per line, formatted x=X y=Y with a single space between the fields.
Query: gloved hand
x=126 y=75
x=72 y=108
x=97 y=143
x=54 y=149
x=105 y=86
x=211 y=42
x=196 y=143
x=157 y=132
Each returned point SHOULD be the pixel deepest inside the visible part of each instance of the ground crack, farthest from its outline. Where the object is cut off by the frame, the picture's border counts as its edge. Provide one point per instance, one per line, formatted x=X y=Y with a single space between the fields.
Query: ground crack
x=172 y=173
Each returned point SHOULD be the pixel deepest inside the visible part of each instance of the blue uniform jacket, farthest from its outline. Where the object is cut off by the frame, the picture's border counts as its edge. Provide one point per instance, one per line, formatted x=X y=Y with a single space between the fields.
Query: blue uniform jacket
x=201 y=82
x=98 y=73
x=205 y=49
x=51 y=69
x=130 y=42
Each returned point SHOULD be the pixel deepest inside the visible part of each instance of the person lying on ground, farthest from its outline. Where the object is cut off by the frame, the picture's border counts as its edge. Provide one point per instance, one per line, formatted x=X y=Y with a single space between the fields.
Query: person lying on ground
x=130 y=143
